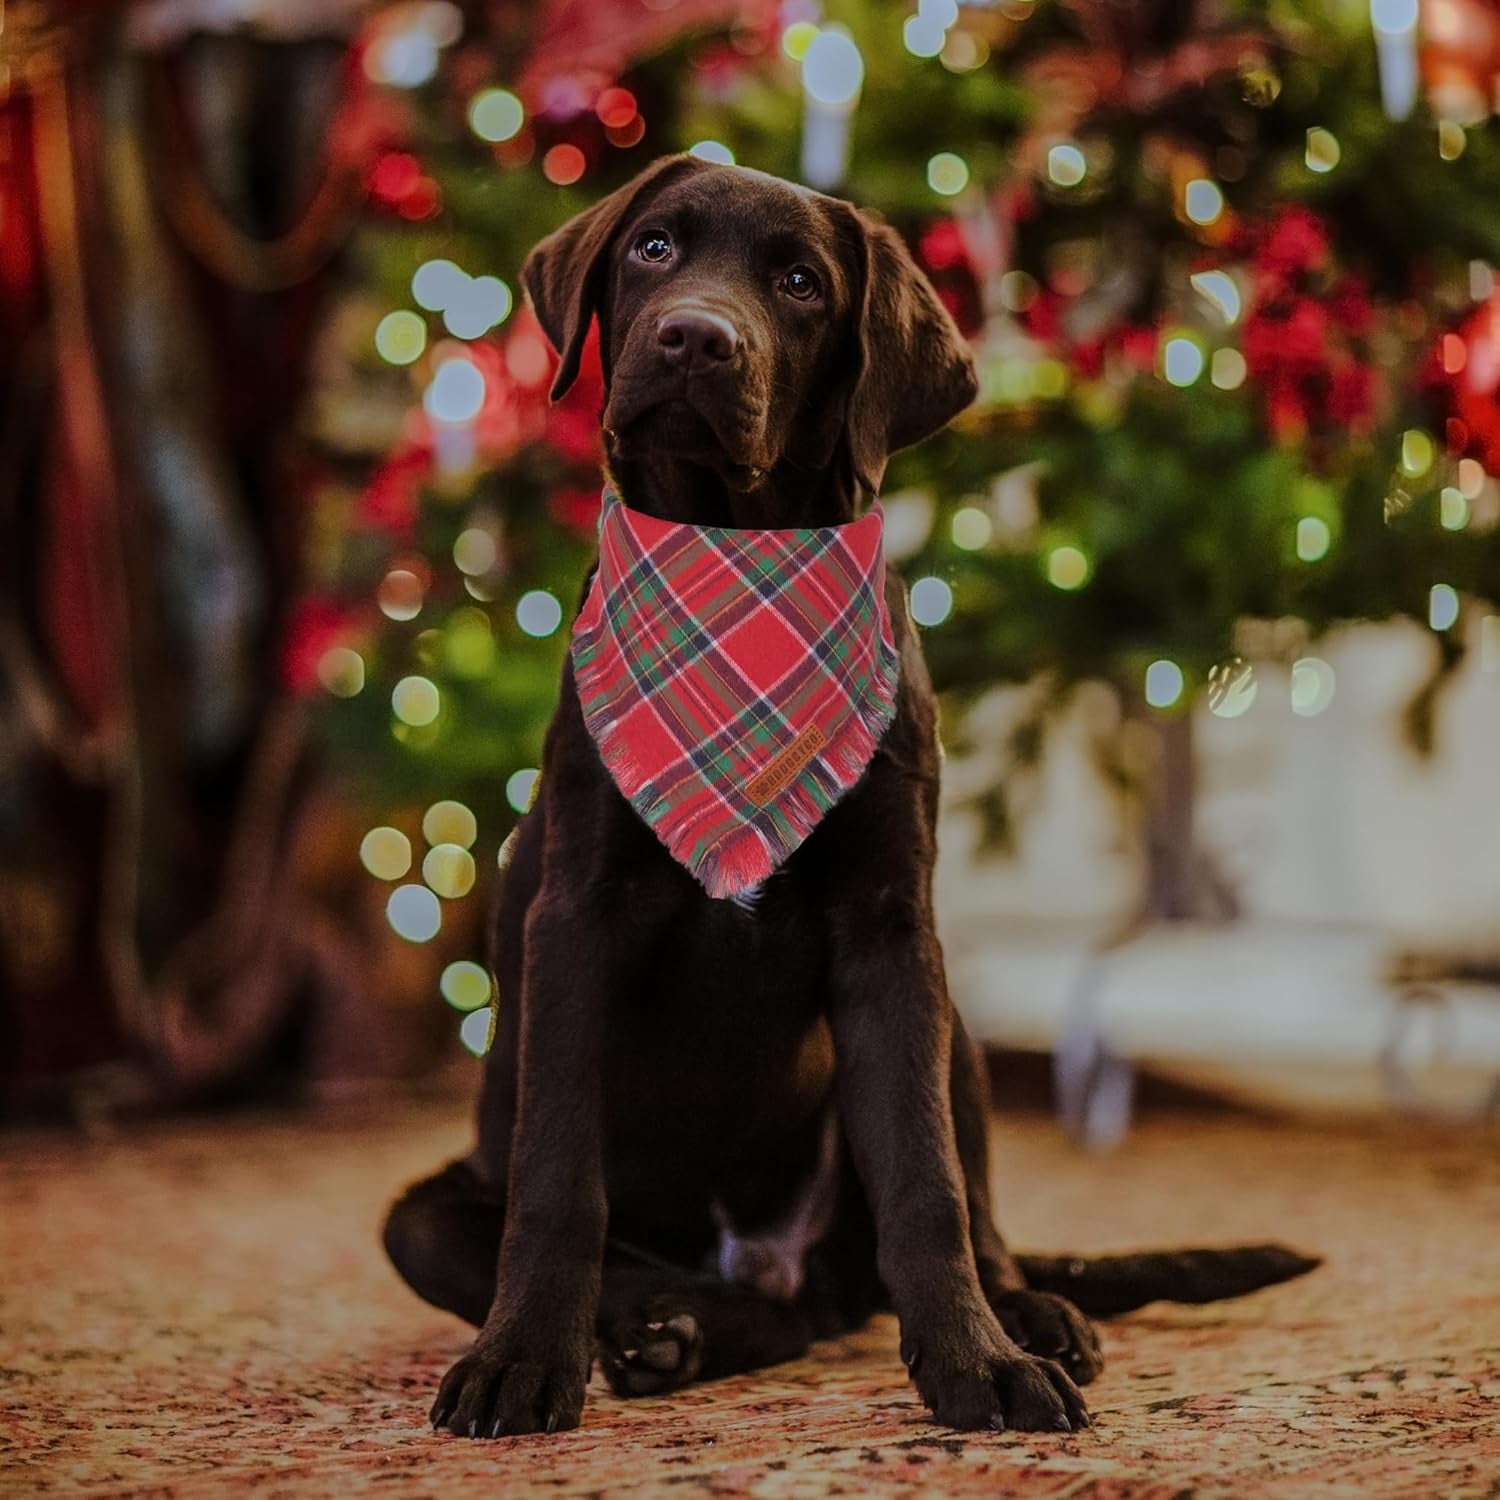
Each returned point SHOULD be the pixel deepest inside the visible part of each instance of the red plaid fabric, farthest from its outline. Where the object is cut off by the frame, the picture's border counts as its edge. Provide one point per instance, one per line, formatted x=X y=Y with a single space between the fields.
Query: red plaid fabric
x=736 y=682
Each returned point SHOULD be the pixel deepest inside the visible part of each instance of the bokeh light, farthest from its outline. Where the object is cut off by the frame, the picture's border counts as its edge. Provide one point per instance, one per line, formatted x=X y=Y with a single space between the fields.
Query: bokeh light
x=1322 y=152
x=520 y=788
x=832 y=68
x=434 y=282
x=1066 y=164
x=1218 y=289
x=1228 y=369
x=1417 y=452
x=922 y=37
x=797 y=38
x=1442 y=606
x=715 y=151
x=1313 y=539
x=465 y=985
x=971 y=528
x=564 y=164
x=1312 y=686
x=415 y=701
x=1067 y=568
x=477 y=306
x=449 y=870
x=456 y=392
x=947 y=173
x=477 y=1030
x=341 y=670
x=449 y=822
x=538 y=613
x=615 y=108
x=475 y=551
x=1232 y=688
x=1202 y=201
x=414 y=913
x=1163 y=684
x=400 y=337
x=399 y=595
x=1181 y=360
x=931 y=601
x=1453 y=508
x=385 y=853
x=496 y=115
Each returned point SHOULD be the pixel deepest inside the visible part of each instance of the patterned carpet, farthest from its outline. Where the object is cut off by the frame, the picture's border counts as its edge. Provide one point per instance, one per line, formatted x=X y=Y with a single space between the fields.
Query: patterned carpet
x=202 y=1311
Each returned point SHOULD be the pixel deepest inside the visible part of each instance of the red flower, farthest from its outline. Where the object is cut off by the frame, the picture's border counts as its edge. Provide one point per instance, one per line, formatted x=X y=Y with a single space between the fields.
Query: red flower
x=578 y=510
x=1351 y=393
x=315 y=625
x=389 y=500
x=1295 y=243
x=942 y=246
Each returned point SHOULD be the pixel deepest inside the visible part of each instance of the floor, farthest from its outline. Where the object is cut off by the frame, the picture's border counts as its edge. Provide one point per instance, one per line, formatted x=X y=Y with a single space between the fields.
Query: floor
x=202 y=1310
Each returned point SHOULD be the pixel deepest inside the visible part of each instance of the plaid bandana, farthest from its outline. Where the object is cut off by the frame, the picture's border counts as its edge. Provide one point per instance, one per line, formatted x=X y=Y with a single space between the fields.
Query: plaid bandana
x=736 y=682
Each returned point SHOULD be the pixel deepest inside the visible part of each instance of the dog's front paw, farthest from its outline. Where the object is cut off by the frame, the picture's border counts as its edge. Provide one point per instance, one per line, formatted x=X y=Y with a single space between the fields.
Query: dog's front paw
x=493 y=1392
x=1001 y=1391
x=652 y=1348
x=1053 y=1328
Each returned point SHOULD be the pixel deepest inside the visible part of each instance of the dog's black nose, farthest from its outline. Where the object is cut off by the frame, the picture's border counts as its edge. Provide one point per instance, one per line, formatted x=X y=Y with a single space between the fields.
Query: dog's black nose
x=696 y=339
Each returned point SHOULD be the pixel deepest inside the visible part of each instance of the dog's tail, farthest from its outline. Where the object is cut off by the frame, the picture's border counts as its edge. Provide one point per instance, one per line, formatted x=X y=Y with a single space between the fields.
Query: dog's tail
x=1105 y=1285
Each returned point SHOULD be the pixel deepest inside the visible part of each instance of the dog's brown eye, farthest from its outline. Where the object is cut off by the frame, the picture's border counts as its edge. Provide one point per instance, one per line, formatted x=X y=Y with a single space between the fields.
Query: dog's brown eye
x=800 y=283
x=655 y=247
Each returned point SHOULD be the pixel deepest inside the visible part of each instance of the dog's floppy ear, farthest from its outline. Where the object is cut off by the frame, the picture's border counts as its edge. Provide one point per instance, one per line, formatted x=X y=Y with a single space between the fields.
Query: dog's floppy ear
x=913 y=371
x=564 y=275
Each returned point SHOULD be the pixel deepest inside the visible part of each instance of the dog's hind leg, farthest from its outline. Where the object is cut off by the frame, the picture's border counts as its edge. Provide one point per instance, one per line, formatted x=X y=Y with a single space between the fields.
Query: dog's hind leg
x=661 y=1328
x=1040 y=1322
x=443 y=1235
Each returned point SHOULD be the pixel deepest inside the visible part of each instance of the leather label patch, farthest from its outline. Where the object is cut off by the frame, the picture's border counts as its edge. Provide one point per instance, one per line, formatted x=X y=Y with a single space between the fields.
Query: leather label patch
x=781 y=772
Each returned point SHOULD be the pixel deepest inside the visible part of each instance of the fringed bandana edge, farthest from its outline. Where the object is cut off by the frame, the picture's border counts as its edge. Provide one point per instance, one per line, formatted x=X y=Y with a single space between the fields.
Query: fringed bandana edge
x=736 y=682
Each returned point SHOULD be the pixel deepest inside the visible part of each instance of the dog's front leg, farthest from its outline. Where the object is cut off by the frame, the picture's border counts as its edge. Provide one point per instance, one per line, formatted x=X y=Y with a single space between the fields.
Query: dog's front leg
x=530 y=1362
x=891 y=1026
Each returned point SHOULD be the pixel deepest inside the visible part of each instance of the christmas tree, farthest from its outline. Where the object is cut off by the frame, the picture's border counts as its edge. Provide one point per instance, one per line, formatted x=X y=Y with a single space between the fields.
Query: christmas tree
x=1226 y=270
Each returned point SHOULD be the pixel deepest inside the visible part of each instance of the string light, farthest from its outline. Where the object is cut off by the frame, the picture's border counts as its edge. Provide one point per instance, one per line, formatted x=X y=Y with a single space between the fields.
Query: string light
x=465 y=985
x=538 y=613
x=496 y=115
x=931 y=601
x=449 y=822
x=414 y=913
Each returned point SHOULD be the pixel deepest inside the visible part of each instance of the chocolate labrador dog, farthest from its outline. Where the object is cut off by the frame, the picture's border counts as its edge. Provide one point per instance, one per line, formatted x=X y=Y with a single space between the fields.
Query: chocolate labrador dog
x=711 y=1131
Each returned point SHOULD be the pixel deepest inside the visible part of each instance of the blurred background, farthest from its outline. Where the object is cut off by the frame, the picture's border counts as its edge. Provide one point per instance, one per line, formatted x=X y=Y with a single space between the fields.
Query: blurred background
x=1209 y=576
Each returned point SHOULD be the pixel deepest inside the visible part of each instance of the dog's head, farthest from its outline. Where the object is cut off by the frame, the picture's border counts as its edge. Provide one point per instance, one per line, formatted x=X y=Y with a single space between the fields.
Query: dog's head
x=746 y=322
